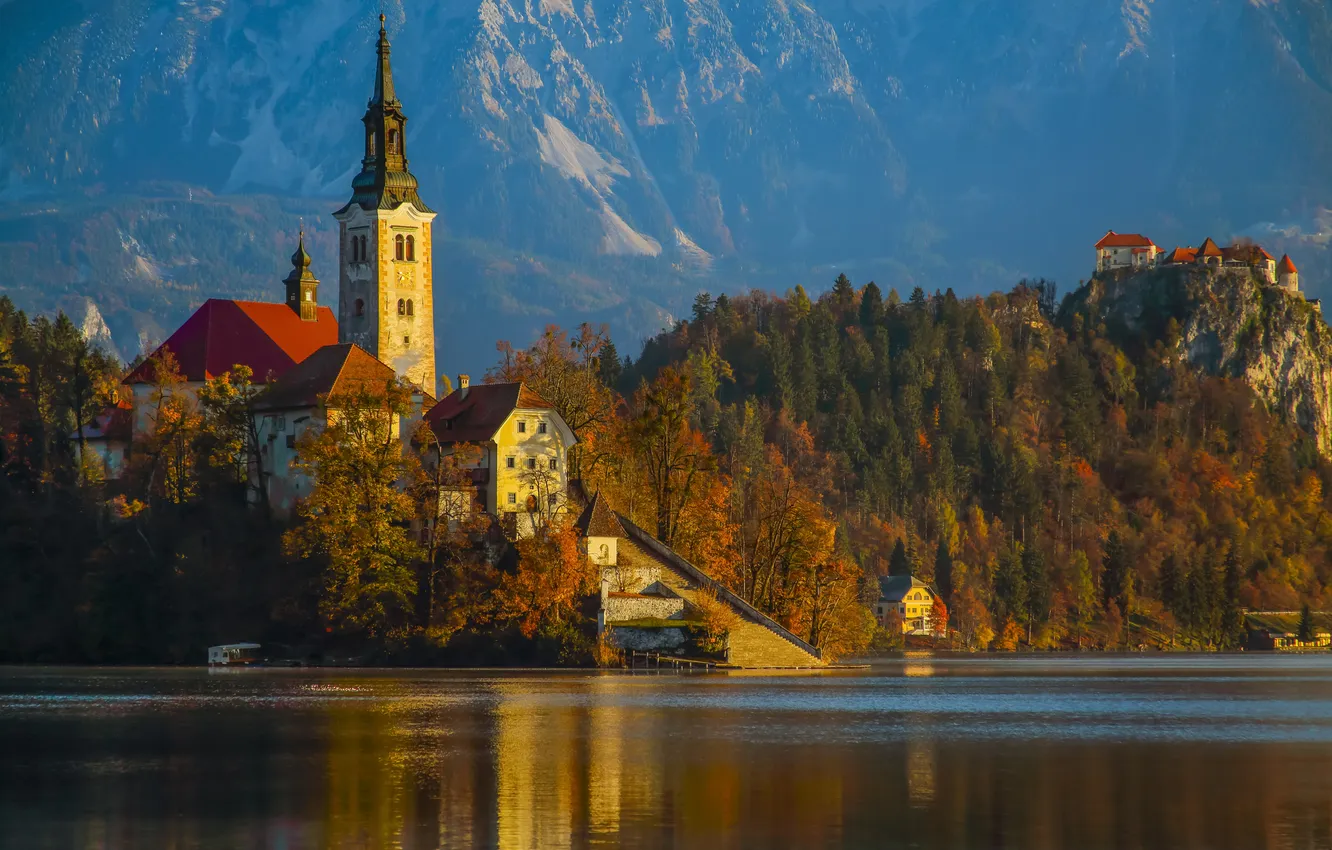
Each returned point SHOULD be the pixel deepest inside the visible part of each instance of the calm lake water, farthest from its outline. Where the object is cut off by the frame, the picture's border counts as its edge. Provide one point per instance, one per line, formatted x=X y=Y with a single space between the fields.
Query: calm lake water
x=1178 y=752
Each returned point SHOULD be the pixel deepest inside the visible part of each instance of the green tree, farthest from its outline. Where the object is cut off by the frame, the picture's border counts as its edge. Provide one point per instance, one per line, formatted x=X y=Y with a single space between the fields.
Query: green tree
x=1305 y=631
x=898 y=563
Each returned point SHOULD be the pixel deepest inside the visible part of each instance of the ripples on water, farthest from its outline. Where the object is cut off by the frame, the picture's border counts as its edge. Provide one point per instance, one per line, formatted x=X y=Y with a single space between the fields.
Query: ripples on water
x=1087 y=752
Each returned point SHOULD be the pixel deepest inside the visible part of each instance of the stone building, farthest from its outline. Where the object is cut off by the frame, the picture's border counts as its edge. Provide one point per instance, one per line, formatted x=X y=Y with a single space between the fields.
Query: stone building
x=385 y=268
x=1288 y=277
x=309 y=396
x=1125 y=251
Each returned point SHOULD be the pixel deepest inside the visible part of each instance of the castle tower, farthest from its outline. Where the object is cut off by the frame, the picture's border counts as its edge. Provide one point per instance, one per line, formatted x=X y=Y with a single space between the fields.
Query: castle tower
x=385 y=280
x=302 y=287
x=1288 y=277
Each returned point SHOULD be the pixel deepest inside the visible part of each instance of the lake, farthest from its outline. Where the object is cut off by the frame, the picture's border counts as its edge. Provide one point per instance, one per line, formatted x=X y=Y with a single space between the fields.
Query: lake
x=1028 y=752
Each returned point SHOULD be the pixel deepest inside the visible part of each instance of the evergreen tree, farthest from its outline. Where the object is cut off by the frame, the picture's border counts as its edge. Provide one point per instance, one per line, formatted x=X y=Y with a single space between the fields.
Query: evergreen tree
x=702 y=307
x=1232 y=614
x=1305 y=631
x=898 y=563
x=1116 y=579
x=943 y=572
x=1038 y=588
x=844 y=294
x=1010 y=586
x=609 y=367
x=871 y=305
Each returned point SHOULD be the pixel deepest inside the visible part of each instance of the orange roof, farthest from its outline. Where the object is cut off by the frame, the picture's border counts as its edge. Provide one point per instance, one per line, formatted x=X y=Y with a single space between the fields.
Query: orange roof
x=1253 y=255
x=1112 y=239
x=269 y=338
x=1286 y=266
x=331 y=372
x=1182 y=255
x=1209 y=249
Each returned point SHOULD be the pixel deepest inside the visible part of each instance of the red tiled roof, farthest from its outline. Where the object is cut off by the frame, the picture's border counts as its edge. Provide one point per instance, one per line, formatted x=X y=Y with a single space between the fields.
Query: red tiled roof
x=269 y=338
x=1182 y=255
x=475 y=414
x=1124 y=240
x=1251 y=254
x=1209 y=249
x=332 y=372
x=1286 y=266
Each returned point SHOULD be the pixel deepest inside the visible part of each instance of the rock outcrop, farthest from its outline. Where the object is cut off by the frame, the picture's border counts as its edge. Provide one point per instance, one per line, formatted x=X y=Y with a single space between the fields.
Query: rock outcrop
x=1230 y=325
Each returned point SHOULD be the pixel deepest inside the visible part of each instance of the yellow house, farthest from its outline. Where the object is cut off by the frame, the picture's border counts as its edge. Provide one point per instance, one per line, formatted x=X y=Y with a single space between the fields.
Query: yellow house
x=519 y=449
x=911 y=599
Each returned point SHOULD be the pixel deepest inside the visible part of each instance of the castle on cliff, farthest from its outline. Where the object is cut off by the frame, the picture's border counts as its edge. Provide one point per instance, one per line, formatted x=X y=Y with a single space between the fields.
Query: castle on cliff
x=1133 y=251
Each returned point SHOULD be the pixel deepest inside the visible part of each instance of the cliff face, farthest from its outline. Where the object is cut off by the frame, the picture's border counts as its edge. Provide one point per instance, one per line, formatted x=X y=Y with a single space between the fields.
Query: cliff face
x=1230 y=325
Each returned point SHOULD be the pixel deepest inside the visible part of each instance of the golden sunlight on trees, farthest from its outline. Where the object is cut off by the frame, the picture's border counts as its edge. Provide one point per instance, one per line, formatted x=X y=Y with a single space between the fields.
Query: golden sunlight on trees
x=356 y=520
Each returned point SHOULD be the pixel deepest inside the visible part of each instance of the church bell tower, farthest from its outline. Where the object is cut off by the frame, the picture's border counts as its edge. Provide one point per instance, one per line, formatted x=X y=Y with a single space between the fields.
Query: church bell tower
x=386 y=274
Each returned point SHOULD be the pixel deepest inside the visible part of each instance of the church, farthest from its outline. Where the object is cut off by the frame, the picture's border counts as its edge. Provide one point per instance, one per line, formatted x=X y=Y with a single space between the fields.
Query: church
x=302 y=354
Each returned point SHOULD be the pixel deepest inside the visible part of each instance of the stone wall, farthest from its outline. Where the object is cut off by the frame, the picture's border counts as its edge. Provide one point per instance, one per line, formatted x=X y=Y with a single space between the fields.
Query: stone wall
x=621 y=608
x=648 y=640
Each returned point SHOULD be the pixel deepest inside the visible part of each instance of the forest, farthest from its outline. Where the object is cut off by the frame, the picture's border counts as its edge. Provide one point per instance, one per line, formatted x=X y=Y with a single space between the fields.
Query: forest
x=1060 y=488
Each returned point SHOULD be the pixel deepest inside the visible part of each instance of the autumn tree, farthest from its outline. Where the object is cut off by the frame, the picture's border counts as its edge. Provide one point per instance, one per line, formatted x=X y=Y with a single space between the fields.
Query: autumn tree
x=552 y=575
x=673 y=455
x=356 y=520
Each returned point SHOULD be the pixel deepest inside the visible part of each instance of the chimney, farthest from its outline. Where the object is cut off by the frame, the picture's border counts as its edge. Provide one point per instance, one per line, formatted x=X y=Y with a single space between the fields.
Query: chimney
x=464 y=383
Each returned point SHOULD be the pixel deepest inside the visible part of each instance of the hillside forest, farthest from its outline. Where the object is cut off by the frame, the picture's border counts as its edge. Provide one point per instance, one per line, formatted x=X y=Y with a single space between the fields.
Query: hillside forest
x=1060 y=488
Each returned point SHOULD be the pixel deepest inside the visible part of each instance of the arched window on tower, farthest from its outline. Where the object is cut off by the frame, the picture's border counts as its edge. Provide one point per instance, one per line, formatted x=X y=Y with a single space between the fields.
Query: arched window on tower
x=402 y=307
x=365 y=253
x=392 y=142
x=411 y=247
x=370 y=144
x=409 y=307
x=399 y=247
x=360 y=307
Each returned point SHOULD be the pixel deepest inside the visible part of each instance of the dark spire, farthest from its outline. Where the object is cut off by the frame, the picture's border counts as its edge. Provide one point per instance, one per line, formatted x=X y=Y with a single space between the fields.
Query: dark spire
x=385 y=181
x=384 y=73
x=302 y=287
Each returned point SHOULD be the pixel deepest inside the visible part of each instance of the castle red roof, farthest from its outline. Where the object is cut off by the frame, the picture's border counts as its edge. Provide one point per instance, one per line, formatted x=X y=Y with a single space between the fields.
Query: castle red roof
x=1286 y=266
x=269 y=338
x=1112 y=239
x=1182 y=255
x=332 y=372
x=113 y=423
x=475 y=414
x=1209 y=249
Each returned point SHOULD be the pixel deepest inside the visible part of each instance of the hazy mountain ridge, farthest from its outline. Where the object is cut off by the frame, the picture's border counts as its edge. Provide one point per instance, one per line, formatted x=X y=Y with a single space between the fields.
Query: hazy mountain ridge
x=755 y=141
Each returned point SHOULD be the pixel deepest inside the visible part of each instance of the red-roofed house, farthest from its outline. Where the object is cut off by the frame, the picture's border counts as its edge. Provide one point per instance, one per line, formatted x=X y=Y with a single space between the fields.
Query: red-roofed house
x=522 y=465
x=108 y=438
x=305 y=397
x=1181 y=256
x=1125 y=251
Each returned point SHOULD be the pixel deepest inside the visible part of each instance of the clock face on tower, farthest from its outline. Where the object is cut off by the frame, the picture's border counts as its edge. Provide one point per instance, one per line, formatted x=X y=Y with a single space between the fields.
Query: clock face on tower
x=404 y=277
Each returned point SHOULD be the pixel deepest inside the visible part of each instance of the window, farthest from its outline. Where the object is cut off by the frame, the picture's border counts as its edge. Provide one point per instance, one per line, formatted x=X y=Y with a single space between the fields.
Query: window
x=541 y=427
x=393 y=141
x=406 y=340
x=553 y=500
x=522 y=427
x=360 y=307
x=370 y=145
x=365 y=254
x=513 y=498
x=411 y=248
x=402 y=307
x=291 y=441
x=279 y=424
x=554 y=464
x=531 y=463
x=309 y=295
x=409 y=307
x=399 y=247
x=509 y=463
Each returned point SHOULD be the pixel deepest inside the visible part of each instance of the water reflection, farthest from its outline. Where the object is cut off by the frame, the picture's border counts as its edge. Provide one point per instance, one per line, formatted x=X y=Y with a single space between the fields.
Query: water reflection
x=1183 y=754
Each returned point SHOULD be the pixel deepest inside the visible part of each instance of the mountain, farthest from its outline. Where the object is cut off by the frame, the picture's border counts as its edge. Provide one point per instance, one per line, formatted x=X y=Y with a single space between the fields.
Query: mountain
x=634 y=151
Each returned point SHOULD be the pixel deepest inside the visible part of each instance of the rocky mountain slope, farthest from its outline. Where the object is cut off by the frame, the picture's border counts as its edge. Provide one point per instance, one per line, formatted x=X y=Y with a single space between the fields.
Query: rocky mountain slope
x=1229 y=324
x=693 y=143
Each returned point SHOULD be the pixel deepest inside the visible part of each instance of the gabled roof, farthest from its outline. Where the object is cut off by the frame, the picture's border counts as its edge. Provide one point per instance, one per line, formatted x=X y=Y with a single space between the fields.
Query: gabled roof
x=1182 y=255
x=1209 y=249
x=1253 y=255
x=598 y=520
x=474 y=415
x=1286 y=266
x=269 y=338
x=113 y=423
x=1112 y=239
x=895 y=588
x=332 y=372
